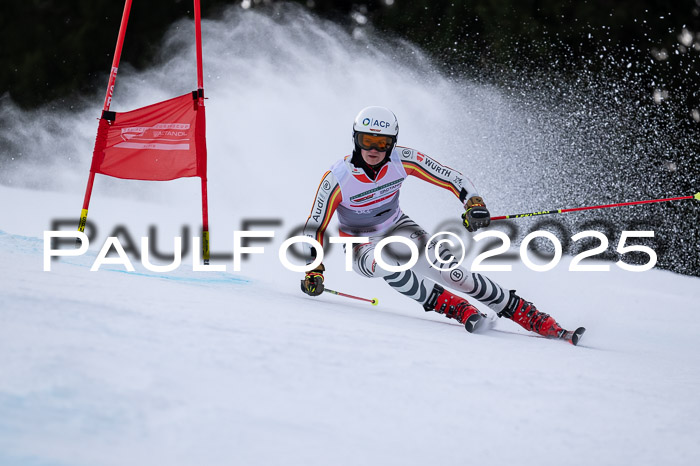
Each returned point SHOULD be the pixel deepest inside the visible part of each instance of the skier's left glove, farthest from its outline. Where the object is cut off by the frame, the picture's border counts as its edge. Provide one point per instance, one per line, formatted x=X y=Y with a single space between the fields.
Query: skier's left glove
x=312 y=284
x=477 y=215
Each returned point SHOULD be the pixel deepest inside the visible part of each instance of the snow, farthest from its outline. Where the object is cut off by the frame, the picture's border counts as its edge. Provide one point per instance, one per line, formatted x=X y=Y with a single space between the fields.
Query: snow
x=185 y=367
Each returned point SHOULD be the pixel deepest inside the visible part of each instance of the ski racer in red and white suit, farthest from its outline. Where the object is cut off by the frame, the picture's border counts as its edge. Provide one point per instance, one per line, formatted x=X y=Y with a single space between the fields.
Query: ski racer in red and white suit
x=363 y=189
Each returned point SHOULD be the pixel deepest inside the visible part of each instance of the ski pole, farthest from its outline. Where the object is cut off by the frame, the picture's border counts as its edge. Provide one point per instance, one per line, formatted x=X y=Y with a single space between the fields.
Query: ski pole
x=374 y=301
x=696 y=196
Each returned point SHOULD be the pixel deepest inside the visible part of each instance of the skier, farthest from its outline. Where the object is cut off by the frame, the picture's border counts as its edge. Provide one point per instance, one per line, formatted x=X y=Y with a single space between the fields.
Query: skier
x=363 y=188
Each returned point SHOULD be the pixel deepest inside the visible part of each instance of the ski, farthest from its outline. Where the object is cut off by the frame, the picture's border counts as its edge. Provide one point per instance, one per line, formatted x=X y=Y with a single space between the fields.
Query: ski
x=478 y=322
x=473 y=322
x=573 y=336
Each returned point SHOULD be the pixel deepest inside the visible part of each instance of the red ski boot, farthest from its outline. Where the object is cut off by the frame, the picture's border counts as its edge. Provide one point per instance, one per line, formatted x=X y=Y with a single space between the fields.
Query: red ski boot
x=454 y=307
x=526 y=315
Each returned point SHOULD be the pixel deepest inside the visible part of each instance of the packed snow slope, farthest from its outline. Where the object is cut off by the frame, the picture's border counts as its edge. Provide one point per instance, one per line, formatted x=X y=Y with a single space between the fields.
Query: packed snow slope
x=185 y=367
x=239 y=367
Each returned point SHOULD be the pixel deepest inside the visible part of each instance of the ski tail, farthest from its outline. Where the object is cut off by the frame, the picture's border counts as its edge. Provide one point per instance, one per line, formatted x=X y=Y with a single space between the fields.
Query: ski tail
x=574 y=336
x=478 y=322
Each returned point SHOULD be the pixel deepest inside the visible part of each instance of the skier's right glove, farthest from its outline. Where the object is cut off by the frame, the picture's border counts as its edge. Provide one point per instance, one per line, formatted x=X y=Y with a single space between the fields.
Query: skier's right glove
x=312 y=284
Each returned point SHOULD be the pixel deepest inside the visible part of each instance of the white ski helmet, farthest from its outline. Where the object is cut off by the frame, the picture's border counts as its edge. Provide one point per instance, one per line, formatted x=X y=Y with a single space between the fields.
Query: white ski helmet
x=376 y=121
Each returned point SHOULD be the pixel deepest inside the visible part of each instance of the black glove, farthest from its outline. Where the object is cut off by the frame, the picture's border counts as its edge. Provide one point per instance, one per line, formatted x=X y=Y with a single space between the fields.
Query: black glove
x=477 y=215
x=312 y=284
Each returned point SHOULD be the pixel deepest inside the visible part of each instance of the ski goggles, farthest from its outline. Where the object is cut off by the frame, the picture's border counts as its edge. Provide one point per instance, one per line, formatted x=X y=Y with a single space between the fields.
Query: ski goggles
x=379 y=142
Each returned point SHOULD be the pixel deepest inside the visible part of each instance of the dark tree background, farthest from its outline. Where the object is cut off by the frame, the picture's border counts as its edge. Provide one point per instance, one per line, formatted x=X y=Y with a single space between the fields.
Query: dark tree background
x=52 y=48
